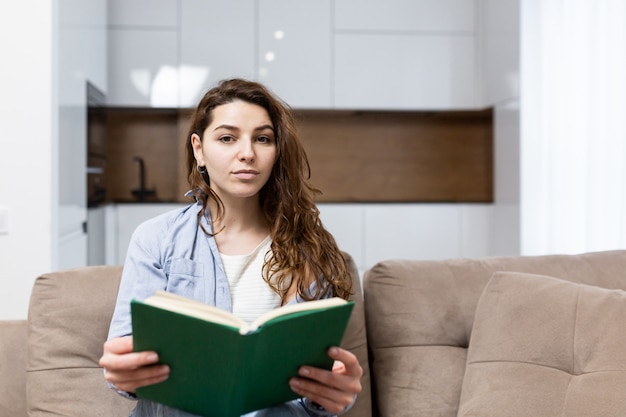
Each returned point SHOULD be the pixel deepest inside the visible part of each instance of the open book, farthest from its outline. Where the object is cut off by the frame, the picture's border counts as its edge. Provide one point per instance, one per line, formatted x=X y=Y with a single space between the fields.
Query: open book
x=222 y=367
x=193 y=308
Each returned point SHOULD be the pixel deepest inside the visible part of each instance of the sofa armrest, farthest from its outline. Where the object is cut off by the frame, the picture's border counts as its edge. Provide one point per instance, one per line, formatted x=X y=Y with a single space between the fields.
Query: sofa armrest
x=68 y=322
x=355 y=340
x=13 y=335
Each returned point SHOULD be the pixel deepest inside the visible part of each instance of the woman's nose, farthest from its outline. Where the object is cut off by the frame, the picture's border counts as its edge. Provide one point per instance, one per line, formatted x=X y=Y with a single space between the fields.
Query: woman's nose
x=246 y=150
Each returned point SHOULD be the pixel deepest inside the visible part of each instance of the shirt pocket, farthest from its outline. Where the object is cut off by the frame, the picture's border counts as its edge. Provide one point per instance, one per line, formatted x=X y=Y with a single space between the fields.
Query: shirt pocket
x=183 y=277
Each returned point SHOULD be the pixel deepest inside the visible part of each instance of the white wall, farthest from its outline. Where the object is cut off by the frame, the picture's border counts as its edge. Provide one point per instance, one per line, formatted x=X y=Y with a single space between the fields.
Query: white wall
x=27 y=141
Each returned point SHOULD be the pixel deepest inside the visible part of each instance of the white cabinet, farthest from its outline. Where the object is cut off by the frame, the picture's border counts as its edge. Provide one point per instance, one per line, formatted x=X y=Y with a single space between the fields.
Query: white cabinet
x=143 y=13
x=96 y=236
x=315 y=54
x=374 y=232
x=143 y=53
x=294 y=56
x=143 y=67
x=500 y=53
x=125 y=218
x=217 y=41
x=500 y=50
x=405 y=71
x=405 y=15
x=170 y=56
x=285 y=45
x=346 y=223
x=429 y=231
x=368 y=232
x=405 y=54
x=83 y=31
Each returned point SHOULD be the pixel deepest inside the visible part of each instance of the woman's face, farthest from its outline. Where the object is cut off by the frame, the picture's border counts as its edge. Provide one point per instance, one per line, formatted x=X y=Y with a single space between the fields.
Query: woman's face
x=238 y=150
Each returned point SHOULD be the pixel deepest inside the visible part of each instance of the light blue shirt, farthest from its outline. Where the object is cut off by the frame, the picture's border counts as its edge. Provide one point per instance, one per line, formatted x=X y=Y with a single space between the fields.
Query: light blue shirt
x=171 y=252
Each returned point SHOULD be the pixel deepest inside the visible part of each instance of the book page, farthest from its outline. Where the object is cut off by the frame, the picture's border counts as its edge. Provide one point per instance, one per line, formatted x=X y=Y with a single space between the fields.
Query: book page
x=193 y=308
x=293 y=308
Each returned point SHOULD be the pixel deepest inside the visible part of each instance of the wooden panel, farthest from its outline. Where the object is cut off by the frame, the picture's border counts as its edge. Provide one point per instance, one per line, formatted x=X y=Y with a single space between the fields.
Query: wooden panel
x=151 y=135
x=354 y=156
x=400 y=156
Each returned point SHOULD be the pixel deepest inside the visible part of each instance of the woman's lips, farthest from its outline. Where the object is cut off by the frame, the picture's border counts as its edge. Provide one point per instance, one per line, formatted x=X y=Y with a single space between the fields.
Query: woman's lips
x=246 y=174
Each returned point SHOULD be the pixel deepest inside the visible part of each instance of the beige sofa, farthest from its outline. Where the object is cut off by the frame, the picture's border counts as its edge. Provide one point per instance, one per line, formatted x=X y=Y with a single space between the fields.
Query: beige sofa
x=507 y=336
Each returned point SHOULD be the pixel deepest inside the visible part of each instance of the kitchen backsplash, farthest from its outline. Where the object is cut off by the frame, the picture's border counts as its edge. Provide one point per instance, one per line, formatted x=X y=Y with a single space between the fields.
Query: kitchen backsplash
x=369 y=156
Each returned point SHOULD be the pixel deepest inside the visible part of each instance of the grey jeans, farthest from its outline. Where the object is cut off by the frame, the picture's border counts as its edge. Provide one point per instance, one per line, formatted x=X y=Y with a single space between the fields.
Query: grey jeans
x=152 y=409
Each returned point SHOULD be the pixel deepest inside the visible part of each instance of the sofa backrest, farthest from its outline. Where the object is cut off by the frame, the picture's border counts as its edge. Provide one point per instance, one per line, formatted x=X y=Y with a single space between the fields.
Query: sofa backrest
x=420 y=314
x=68 y=322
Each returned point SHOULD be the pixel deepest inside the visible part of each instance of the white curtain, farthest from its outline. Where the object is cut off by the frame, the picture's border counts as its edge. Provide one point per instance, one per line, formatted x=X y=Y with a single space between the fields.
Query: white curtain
x=573 y=125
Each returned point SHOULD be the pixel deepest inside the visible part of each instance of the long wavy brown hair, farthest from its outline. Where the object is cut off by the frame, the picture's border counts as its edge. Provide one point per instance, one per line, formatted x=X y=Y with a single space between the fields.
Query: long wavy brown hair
x=302 y=249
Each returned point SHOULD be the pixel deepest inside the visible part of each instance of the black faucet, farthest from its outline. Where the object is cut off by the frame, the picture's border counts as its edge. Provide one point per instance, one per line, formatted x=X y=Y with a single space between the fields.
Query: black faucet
x=142 y=193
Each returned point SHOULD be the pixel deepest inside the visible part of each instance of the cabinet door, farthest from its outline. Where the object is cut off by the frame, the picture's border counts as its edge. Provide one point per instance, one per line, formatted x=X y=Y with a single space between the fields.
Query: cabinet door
x=405 y=15
x=128 y=218
x=217 y=41
x=411 y=231
x=345 y=222
x=295 y=50
x=143 y=53
x=143 y=13
x=96 y=236
x=405 y=71
x=143 y=67
x=405 y=54
x=500 y=50
x=83 y=28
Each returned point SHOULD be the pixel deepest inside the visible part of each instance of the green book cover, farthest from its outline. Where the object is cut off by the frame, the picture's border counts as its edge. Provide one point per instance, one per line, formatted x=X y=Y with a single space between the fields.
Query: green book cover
x=218 y=369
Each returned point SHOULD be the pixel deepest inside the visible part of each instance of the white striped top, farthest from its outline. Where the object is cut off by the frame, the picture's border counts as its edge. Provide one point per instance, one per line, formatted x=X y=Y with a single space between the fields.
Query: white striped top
x=251 y=295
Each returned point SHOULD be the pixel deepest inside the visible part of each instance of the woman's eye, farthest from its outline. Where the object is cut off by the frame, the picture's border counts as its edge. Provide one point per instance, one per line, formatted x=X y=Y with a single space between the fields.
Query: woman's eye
x=226 y=139
x=264 y=139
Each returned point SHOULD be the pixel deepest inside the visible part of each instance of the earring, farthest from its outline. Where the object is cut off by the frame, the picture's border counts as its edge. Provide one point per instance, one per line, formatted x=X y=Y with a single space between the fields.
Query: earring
x=201 y=170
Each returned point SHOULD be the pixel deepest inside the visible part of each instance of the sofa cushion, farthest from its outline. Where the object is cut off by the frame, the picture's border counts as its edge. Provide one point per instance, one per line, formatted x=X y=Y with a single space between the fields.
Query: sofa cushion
x=68 y=321
x=427 y=307
x=542 y=346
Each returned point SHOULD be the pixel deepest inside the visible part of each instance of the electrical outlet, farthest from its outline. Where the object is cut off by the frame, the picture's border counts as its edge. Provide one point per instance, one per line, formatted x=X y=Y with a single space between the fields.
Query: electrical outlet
x=4 y=220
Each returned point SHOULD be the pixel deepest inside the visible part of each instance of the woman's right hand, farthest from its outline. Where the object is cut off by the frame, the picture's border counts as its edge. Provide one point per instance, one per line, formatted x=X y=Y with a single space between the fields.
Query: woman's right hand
x=128 y=370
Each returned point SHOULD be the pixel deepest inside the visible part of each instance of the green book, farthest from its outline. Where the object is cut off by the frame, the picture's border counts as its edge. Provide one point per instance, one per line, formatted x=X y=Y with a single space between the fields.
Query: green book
x=222 y=367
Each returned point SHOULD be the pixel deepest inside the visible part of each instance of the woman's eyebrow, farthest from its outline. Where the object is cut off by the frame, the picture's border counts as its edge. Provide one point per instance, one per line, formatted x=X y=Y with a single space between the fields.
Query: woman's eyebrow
x=265 y=127
x=227 y=127
x=236 y=129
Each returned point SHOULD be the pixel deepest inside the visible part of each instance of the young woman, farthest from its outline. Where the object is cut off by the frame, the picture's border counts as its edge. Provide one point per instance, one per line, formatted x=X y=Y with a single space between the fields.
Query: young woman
x=251 y=242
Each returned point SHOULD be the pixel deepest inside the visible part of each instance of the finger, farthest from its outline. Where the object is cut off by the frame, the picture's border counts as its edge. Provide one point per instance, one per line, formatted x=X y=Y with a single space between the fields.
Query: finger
x=118 y=345
x=327 y=384
x=118 y=355
x=128 y=361
x=130 y=381
x=350 y=362
x=332 y=400
x=333 y=391
x=346 y=373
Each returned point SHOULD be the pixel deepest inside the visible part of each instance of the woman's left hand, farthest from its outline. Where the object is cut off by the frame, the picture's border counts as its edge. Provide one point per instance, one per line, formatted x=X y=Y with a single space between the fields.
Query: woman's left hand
x=334 y=390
